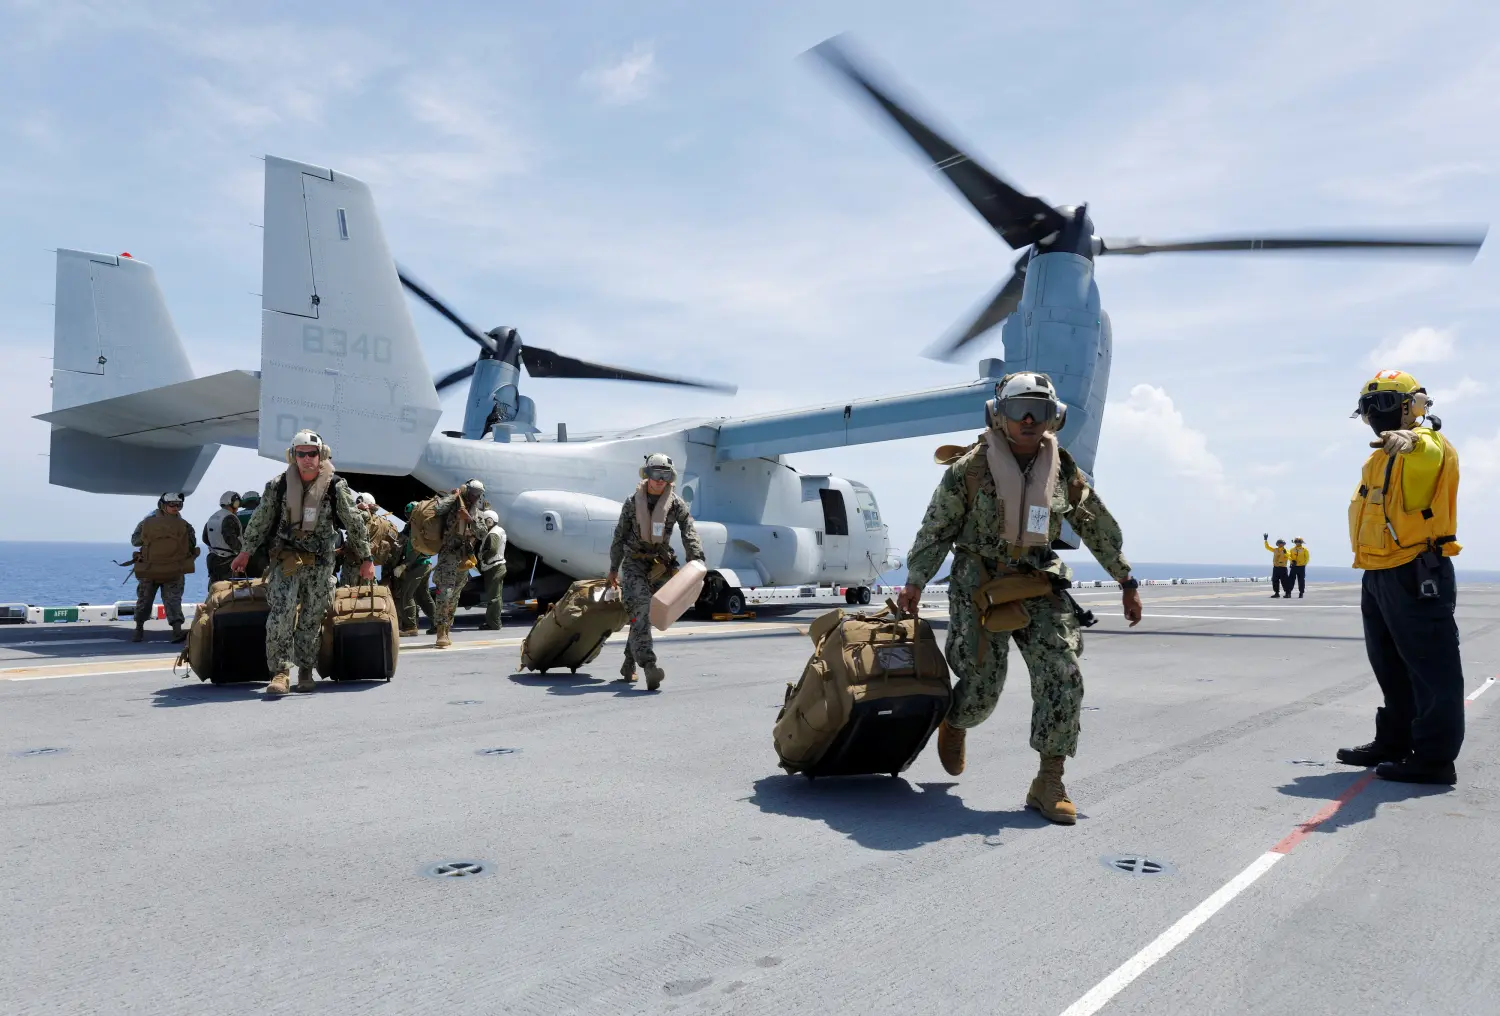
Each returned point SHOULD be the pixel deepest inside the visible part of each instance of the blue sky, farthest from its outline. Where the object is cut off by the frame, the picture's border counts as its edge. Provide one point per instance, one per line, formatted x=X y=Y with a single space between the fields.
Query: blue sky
x=672 y=187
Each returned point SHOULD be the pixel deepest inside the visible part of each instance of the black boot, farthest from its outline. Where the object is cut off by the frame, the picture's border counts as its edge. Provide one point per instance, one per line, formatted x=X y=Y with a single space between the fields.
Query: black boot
x=1371 y=754
x=1414 y=770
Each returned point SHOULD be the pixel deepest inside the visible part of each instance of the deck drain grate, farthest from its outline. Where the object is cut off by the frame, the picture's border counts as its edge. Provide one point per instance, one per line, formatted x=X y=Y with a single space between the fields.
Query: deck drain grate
x=457 y=869
x=497 y=751
x=1137 y=864
x=35 y=752
x=1316 y=763
x=466 y=702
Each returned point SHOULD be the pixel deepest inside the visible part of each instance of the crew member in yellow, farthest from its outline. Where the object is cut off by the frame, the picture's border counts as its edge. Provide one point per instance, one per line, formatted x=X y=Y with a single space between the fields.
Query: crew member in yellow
x=1403 y=522
x=1278 y=567
x=1296 y=572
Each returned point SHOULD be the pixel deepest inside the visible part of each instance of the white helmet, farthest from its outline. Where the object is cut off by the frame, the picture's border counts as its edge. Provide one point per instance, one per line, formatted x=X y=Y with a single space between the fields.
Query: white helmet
x=659 y=467
x=491 y=517
x=1027 y=393
x=228 y=498
x=362 y=498
x=304 y=438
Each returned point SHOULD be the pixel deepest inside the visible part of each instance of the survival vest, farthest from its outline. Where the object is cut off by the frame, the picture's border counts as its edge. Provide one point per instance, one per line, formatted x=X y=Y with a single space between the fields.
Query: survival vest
x=213 y=534
x=1382 y=532
x=166 y=551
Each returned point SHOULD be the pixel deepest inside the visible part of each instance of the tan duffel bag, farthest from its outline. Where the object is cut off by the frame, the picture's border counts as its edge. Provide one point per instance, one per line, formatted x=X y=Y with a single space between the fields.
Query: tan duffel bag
x=361 y=635
x=227 y=643
x=576 y=627
x=873 y=692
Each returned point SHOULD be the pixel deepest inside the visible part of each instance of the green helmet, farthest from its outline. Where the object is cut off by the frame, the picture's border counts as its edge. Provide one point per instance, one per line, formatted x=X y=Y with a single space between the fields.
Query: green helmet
x=250 y=500
x=409 y=506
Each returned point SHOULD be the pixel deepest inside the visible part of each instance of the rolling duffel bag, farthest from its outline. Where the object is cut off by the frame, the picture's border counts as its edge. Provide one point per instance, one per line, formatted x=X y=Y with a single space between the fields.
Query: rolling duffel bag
x=873 y=692
x=573 y=631
x=227 y=643
x=361 y=635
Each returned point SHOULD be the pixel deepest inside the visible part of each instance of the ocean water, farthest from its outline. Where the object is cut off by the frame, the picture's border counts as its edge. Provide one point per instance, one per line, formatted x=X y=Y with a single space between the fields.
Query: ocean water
x=66 y=574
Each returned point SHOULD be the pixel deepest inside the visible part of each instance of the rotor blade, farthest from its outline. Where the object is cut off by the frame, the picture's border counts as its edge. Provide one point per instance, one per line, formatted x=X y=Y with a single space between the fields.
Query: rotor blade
x=545 y=363
x=1020 y=219
x=1466 y=242
x=442 y=308
x=453 y=377
x=1001 y=305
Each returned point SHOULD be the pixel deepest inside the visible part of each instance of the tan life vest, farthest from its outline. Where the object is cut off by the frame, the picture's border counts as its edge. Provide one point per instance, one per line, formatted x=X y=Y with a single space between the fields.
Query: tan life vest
x=1025 y=500
x=1382 y=532
x=166 y=550
x=651 y=526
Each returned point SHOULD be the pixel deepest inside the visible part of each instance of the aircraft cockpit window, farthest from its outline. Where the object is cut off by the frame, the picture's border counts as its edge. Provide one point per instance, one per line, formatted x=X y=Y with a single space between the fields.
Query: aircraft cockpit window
x=868 y=510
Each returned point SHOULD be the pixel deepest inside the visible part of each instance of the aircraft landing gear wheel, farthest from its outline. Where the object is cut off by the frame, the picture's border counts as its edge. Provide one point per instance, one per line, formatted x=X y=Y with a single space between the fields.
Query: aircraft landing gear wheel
x=850 y=596
x=862 y=595
x=732 y=602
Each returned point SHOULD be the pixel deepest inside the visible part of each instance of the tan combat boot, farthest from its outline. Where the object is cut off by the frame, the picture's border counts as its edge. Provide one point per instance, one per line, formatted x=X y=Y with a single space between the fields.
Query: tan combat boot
x=305 y=679
x=140 y=634
x=443 y=641
x=178 y=635
x=1048 y=795
x=280 y=684
x=654 y=676
x=407 y=632
x=627 y=671
x=951 y=748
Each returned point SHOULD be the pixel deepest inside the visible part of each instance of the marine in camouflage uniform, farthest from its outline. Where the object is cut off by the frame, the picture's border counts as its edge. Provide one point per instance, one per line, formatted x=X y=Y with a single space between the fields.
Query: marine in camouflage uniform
x=409 y=576
x=643 y=566
x=456 y=554
x=1050 y=643
x=299 y=576
x=169 y=585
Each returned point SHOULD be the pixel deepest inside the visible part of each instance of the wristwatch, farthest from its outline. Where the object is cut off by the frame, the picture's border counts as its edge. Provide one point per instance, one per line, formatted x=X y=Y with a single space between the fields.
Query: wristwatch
x=1130 y=583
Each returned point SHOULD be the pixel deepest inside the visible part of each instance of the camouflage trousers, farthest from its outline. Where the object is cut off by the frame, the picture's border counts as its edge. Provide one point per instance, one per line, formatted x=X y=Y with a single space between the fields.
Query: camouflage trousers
x=171 y=598
x=494 y=598
x=450 y=576
x=412 y=592
x=298 y=604
x=635 y=590
x=1049 y=645
x=218 y=568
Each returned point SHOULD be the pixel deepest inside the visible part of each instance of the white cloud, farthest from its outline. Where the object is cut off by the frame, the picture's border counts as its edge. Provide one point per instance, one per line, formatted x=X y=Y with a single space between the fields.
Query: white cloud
x=1424 y=345
x=626 y=80
x=1147 y=420
x=1466 y=388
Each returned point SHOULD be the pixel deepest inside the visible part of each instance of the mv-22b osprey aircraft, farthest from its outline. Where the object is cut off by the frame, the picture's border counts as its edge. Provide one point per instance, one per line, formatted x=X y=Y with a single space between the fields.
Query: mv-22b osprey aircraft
x=340 y=355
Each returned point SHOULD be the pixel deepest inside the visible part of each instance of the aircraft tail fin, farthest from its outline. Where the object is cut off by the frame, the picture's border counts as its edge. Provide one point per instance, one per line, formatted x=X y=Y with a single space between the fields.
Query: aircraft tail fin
x=113 y=336
x=339 y=352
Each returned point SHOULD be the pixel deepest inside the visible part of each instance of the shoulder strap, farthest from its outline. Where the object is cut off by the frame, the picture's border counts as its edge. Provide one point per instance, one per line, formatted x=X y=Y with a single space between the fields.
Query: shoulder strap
x=973 y=474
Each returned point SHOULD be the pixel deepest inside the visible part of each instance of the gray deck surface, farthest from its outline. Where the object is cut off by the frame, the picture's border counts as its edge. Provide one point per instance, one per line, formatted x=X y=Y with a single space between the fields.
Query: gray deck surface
x=201 y=850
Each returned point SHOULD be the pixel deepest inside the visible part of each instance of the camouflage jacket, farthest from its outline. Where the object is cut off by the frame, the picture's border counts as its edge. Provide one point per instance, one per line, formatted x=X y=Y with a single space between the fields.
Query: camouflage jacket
x=628 y=540
x=460 y=536
x=951 y=524
x=268 y=526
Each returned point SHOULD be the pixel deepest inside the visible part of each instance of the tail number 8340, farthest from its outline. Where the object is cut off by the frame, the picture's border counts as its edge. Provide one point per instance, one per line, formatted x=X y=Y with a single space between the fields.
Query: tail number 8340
x=336 y=342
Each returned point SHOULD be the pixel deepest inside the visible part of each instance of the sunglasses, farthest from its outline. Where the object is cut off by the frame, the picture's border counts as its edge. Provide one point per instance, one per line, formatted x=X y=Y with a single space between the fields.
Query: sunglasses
x=1040 y=410
x=309 y=455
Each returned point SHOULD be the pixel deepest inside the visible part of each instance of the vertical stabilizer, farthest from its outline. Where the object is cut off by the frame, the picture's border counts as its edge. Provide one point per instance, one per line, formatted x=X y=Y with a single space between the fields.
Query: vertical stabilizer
x=339 y=353
x=112 y=333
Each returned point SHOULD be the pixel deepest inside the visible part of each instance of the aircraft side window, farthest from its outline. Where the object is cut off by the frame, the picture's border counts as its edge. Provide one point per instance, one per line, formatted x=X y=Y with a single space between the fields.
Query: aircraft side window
x=835 y=517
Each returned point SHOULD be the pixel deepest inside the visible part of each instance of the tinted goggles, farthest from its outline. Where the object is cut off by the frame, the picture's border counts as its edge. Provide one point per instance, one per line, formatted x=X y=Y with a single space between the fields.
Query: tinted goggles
x=1381 y=402
x=659 y=473
x=1017 y=408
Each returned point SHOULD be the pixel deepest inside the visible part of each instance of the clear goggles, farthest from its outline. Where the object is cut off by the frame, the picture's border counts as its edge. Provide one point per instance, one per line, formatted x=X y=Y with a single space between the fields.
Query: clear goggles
x=1038 y=407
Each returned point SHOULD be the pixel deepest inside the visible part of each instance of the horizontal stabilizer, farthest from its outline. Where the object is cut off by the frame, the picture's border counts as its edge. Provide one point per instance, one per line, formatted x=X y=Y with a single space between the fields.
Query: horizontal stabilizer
x=939 y=411
x=105 y=466
x=339 y=353
x=219 y=409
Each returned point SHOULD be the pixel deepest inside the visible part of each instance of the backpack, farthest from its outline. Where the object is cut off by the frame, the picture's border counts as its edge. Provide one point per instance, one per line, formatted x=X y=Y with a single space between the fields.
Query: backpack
x=425 y=527
x=871 y=695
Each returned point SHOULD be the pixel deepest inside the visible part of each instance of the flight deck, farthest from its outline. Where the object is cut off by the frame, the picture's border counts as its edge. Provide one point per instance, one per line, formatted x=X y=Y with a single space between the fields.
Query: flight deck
x=472 y=839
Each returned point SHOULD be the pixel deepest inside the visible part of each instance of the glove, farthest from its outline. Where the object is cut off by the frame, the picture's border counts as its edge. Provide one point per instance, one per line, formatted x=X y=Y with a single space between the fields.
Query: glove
x=399 y=569
x=1395 y=442
x=1266 y=537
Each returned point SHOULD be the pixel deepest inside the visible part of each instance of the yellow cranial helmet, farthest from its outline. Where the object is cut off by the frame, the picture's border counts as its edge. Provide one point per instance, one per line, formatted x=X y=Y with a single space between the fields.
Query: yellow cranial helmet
x=1392 y=391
